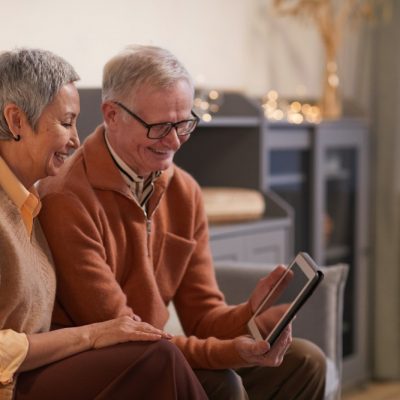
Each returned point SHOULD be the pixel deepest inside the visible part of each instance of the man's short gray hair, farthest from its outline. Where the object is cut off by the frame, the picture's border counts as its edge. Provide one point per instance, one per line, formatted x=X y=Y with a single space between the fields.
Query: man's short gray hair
x=31 y=78
x=137 y=65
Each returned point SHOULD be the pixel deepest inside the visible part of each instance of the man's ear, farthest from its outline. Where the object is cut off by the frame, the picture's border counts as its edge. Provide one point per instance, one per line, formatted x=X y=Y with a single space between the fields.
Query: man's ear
x=109 y=114
x=15 y=118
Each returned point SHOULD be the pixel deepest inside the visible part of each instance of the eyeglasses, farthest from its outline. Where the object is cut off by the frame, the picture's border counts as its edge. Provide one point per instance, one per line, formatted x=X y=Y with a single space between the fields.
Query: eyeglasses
x=162 y=129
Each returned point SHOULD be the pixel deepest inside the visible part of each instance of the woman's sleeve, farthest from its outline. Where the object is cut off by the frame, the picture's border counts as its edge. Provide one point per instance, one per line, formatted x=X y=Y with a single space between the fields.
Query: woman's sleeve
x=13 y=350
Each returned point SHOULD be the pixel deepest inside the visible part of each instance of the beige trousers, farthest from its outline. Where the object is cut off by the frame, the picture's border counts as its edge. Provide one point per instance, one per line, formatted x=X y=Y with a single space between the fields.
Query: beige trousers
x=301 y=376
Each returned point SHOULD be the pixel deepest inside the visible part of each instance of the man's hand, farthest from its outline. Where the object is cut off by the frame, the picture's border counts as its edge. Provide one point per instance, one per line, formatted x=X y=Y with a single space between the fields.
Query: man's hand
x=264 y=286
x=259 y=353
x=267 y=320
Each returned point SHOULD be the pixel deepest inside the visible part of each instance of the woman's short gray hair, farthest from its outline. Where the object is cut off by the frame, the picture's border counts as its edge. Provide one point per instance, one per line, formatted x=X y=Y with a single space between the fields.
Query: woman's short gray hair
x=137 y=65
x=31 y=78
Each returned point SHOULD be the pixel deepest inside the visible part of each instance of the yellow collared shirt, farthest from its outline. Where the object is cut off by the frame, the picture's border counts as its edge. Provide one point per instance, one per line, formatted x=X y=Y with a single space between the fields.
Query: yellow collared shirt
x=13 y=349
x=27 y=201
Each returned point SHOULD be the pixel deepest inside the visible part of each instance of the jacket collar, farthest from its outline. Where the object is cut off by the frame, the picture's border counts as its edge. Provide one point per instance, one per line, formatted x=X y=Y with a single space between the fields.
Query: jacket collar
x=103 y=173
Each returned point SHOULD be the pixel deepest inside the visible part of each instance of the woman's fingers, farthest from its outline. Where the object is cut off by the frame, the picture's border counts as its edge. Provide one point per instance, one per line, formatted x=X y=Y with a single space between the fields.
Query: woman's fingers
x=149 y=329
x=124 y=329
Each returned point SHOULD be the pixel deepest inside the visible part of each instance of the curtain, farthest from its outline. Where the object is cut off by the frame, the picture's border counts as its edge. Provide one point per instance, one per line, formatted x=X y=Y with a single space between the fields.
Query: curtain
x=385 y=167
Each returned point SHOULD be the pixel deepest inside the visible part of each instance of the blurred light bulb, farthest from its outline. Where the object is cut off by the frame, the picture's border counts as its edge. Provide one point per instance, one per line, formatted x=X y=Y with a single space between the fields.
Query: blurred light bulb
x=206 y=117
x=213 y=95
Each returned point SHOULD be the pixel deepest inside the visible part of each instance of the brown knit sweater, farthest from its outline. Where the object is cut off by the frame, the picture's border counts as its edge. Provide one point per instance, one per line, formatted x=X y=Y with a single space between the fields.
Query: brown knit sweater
x=108 y=264
x=27 y=279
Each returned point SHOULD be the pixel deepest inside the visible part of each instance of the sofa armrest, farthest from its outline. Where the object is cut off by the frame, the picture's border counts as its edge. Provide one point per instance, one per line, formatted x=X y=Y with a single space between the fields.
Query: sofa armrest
x=321 y=318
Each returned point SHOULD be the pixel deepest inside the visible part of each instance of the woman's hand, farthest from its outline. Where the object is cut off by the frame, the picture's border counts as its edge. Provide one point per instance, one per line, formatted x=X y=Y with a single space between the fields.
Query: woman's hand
x=47 y=347
x=123 y=329
x=259 y=353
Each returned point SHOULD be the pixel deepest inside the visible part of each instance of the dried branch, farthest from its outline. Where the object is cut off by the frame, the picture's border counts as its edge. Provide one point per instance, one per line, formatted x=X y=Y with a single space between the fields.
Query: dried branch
x=332 y=16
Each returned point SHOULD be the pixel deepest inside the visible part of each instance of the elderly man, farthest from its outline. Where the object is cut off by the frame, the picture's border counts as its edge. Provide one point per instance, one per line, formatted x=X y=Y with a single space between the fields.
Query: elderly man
x=129 y=234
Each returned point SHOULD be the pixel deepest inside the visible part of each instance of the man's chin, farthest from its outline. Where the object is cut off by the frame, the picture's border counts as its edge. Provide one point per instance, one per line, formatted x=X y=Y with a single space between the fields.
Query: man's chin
x=163 y=165
x=53 y=170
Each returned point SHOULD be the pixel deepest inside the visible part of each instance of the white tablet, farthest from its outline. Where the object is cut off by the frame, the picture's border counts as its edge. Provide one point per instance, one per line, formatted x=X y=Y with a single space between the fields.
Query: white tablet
x=292 y=290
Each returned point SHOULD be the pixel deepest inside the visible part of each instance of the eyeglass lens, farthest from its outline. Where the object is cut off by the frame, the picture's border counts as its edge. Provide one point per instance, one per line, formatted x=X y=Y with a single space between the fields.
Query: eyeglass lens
x=182 y=128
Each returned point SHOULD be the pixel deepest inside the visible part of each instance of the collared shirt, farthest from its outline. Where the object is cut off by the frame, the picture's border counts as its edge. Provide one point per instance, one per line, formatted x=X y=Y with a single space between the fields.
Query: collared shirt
x=13 y=345
x=13 y=349
x=141 y=188
x=27 y=202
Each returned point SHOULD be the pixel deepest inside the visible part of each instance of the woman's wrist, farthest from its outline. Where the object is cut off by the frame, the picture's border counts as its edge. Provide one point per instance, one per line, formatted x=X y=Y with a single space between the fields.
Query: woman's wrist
x=86 y=336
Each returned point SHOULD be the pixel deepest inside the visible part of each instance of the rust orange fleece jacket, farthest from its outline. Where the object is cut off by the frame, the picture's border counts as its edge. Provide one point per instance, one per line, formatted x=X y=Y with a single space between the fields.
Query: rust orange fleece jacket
x=110 y=264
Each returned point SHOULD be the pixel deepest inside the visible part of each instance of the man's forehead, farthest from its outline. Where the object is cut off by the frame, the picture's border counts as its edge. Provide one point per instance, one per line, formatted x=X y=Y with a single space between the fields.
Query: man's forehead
x=150 y=92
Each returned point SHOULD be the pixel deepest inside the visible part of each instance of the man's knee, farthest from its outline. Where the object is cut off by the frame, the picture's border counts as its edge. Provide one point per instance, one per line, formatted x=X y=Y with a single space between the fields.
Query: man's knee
x=223 y=384
x=310 y=357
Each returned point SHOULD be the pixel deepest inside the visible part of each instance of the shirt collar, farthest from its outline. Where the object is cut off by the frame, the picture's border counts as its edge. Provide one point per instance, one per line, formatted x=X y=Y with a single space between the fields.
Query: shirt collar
x=125 y=169
x=27 y=201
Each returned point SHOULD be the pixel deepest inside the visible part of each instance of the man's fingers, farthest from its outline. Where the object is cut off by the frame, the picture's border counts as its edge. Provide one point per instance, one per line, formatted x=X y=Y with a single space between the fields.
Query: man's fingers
x=264 y=286
x=260 y=347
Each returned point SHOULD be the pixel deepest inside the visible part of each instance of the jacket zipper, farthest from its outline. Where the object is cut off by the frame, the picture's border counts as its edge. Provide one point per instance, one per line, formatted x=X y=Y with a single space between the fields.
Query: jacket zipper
x=148 y=232
x=149 y=223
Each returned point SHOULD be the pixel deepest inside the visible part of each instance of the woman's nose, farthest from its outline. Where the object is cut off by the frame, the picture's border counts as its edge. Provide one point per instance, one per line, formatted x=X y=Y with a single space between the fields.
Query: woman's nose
x=74 y=140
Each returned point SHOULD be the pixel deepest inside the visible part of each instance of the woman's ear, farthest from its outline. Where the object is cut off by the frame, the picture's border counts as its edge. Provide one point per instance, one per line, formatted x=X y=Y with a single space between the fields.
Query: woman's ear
x=15 y=118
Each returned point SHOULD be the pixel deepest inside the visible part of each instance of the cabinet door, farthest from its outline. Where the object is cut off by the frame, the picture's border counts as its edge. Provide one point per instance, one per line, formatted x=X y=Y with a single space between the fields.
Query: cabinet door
x=339 y=229
x=267 y=247
x=262 y=246
x=227 y=248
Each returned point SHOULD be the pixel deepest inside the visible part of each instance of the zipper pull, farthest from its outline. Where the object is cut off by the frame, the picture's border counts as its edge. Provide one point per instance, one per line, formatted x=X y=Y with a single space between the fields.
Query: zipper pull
x=148 y=226
x=148 y=229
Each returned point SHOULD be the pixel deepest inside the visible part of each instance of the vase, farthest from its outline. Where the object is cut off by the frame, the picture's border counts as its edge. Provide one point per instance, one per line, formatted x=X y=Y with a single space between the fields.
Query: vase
x=331 y=101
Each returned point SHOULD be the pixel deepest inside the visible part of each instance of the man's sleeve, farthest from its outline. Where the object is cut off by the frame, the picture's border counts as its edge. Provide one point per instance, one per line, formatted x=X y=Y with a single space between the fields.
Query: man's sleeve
x=211 y=325
x=199 y=302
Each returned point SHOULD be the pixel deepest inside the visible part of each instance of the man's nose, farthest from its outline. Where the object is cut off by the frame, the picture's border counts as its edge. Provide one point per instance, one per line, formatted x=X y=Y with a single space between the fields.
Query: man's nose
x=172 y=139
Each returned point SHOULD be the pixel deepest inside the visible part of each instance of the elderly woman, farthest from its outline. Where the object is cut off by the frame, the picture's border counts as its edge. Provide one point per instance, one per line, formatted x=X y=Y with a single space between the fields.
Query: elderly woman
x=39 y=106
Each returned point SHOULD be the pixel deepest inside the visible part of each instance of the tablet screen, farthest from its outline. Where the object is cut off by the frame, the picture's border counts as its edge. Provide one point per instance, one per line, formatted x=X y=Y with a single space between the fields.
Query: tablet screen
x=289 y=293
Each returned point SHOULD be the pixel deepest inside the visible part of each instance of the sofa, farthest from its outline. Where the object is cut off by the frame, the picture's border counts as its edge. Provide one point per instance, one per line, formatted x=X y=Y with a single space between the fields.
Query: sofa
x=320 y=319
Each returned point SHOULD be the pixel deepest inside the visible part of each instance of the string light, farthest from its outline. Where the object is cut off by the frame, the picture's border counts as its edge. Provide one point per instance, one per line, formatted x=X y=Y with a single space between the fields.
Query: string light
x=295 y=112
x=207 y=102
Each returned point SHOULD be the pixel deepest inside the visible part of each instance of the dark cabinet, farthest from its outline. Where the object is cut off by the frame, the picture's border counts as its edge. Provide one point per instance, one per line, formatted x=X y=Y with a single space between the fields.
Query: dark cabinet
x=322 y=172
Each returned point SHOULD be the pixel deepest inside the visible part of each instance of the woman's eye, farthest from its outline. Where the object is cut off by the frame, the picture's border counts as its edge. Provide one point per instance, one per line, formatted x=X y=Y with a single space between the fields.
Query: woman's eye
x=66 y=124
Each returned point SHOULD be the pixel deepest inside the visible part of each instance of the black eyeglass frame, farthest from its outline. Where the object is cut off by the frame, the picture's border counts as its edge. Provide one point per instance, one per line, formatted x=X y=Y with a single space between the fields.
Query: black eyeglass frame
x=171 y=125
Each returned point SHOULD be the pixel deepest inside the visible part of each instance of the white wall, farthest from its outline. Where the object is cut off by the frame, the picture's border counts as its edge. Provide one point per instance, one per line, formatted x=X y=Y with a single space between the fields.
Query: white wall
x=208 y=36
x=233 y=44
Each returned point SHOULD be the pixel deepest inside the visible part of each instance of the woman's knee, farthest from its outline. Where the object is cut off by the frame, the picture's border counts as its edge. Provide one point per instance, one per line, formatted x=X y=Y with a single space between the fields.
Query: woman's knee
x=165 y=352
x=167 y=366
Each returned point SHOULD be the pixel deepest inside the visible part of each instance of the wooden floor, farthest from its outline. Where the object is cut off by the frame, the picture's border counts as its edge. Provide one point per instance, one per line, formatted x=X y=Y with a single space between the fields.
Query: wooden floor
x=375 y=391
